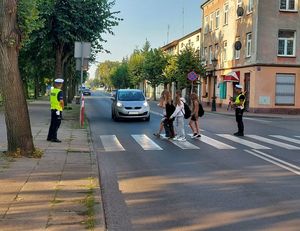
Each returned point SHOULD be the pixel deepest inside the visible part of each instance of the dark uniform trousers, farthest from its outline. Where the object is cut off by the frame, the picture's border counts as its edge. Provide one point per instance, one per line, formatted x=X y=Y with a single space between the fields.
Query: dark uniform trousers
x=55 y=123
x=239 y=119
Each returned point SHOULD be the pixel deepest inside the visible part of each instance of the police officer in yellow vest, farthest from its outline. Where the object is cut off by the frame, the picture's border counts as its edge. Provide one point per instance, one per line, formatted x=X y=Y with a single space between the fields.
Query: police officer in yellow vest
x=239 y=109
x=57 y=106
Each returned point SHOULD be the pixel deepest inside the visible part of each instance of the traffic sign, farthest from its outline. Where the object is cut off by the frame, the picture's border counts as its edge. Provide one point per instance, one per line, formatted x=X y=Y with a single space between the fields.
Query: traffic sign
x=192 y=76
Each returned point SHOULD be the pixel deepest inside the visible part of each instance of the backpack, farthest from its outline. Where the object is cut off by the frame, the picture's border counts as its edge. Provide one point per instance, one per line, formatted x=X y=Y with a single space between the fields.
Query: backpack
x=201 y=110
x=187 y=111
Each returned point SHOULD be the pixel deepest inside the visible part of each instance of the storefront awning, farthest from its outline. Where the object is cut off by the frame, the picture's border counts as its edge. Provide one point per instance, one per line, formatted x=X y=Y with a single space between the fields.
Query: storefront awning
x=233 y=76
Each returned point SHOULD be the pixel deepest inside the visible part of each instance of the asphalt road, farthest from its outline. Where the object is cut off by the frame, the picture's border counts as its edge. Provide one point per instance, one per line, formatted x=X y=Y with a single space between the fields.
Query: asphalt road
x=216 y=183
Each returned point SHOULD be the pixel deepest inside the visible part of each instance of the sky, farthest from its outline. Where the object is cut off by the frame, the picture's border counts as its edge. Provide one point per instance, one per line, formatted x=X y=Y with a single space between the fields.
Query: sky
x=149 y=19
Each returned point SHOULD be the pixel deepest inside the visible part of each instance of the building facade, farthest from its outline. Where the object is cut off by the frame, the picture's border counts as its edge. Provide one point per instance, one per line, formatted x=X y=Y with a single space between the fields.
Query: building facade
x=192 y=39
x=256 y=45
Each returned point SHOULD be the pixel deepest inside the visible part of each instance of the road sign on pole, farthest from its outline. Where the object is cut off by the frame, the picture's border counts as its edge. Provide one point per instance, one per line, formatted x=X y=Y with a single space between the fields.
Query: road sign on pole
x=192 y=76
x=82 y=53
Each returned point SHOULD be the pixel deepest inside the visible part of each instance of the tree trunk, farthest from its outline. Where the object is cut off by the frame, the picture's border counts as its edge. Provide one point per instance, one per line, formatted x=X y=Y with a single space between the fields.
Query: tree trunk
x=154 y=92
x=58 y=61
x=19 y=136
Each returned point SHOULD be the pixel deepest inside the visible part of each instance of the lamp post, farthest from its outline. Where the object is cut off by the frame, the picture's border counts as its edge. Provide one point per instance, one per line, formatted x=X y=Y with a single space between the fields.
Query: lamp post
x=213 y=103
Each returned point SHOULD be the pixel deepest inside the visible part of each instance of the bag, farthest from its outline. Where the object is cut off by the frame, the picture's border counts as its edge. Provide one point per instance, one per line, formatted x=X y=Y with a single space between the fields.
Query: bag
x=201 y=110
x=187 y=111
x=169 y=129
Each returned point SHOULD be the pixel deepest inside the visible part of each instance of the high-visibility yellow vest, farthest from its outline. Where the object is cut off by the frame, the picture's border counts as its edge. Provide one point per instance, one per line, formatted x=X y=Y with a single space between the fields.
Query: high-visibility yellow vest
x=55 y=104
x=237 y=101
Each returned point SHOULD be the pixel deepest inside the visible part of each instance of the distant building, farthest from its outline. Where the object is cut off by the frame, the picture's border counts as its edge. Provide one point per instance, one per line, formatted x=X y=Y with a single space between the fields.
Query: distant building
x=257 y=45
x=192 y=39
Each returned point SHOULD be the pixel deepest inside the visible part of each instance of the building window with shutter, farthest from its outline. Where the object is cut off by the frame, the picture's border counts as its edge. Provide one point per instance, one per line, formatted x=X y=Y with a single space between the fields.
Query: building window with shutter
x=225 y=51
x=250 y=6
x=237 y=52
x=248 y=44
x=226 y=13
x=206 y=25
x=217 y=23
x=286 y=43
x=210 y=54
x=285 y=89
x=288 y=5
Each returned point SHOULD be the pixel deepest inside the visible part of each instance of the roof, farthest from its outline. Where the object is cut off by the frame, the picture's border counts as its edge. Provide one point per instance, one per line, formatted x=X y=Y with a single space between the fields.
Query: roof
x=205 y=3
x=191 y=34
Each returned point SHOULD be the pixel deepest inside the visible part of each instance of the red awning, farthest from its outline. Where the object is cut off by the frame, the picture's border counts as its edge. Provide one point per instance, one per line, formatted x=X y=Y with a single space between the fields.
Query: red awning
x=233 y=76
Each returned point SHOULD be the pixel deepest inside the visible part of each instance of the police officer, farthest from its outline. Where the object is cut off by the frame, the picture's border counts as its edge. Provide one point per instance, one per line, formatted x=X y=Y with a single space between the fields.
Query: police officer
x=57 y=106
x=239 y=109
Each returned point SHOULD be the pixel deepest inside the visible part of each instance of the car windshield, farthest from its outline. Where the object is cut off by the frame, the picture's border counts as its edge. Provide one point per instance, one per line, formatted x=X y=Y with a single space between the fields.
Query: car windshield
x=131 y=96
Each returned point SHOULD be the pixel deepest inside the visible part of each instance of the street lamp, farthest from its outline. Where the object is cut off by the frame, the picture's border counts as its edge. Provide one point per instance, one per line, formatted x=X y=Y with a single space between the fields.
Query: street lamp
x=213 y=103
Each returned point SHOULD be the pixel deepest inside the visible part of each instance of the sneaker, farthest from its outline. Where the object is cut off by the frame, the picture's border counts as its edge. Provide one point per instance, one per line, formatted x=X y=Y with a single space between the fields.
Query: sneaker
x=195 y=135
x=198 y=136
x=181 y=139
x=238 y=134
x=175 y=138
x=156 y=134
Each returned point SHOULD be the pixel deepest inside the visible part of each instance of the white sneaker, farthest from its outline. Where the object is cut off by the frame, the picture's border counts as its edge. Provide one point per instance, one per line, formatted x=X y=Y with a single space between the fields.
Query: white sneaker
x=194 y=136
x=181 y=139
x=176 y=138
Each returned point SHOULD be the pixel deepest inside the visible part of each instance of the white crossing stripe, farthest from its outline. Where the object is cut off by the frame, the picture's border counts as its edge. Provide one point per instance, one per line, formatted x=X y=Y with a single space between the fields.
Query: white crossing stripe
x=111 y=143
x=184 y=144
x=146 y=143
x=243 y=141
x=286 y=139
x=274 y=142
x=215 y=143
x=297 y=136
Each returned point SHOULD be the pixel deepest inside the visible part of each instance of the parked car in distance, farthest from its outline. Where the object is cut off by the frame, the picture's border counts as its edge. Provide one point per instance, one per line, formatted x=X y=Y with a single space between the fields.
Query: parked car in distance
x=86 y=91
x=130 y=104
x=113 y=93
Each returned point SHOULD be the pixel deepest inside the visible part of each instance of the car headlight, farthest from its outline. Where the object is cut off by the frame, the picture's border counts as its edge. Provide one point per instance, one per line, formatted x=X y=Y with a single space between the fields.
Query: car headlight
x=145 y=104
x=119 y=104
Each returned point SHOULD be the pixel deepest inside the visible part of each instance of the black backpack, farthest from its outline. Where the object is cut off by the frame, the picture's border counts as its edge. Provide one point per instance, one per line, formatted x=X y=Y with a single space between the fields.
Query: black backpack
x=187 y=111
x=201 y=110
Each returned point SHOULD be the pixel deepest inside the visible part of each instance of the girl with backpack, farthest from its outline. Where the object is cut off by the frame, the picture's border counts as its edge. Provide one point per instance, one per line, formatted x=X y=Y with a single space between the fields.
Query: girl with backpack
x=178 y=114
x=194 y=120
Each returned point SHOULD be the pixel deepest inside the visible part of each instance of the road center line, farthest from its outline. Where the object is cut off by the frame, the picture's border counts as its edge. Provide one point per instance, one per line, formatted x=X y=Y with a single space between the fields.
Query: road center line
x=269 y=158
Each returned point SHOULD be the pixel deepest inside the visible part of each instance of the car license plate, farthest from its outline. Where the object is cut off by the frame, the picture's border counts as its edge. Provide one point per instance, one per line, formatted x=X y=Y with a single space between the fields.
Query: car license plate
x=133 y=113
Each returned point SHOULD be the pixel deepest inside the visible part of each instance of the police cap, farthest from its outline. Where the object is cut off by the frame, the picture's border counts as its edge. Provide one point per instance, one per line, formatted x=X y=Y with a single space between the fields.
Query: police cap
x=239 y=86
x=58 y=80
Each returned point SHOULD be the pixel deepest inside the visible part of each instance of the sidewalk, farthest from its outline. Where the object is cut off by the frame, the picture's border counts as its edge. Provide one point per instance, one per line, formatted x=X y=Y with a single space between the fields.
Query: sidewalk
x=61 y=190
x=231 y=112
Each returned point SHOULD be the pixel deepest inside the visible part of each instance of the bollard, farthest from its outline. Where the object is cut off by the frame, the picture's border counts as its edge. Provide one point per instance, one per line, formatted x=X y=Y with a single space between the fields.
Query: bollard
x=82 y=112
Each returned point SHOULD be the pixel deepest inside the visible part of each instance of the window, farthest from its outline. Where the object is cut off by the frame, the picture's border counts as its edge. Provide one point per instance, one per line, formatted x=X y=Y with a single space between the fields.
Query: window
x=225 y=51
x=238 y=4
x=182 y=45
x=216 y=50
x=210 y=54
x=206 y=24
x=237 y=52
x=226 y=12
x=205 y=54
x=248 y=44
x=217 y=23
x=250 y=6
x=197 y=38
x=285 y=89
x=286 y=43
x=211 y=22
x=288 y=5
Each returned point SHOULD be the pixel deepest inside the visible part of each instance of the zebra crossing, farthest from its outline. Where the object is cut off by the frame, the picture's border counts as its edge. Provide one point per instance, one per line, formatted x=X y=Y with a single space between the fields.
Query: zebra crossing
x=111 y=143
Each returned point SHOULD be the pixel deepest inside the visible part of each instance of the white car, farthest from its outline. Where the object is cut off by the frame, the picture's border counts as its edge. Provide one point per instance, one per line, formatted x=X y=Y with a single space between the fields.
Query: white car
x=130 y=104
